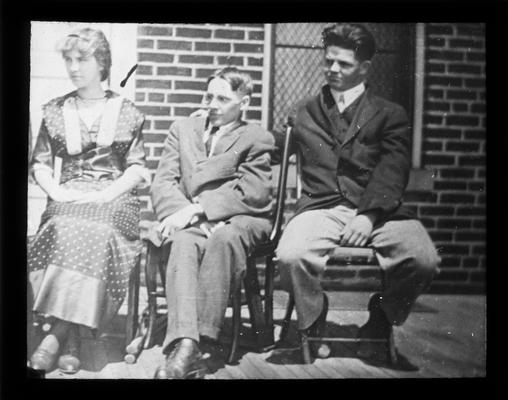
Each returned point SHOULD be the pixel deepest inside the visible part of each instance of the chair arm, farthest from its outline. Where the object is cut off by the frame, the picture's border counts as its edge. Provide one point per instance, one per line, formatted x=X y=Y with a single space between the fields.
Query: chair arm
x=281 y=189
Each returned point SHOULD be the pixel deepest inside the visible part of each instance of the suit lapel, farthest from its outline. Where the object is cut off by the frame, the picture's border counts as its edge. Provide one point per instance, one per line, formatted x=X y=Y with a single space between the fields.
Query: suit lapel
x=332 y=113
x=366 y=110
x=228 y=138
x=199 y=131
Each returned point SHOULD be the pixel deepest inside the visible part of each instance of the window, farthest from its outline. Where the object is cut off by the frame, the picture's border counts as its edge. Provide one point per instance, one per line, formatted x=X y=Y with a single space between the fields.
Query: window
x=296 y=69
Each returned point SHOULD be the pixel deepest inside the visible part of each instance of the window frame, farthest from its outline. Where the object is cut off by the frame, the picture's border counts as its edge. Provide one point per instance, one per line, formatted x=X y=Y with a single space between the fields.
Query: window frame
x=417 y=100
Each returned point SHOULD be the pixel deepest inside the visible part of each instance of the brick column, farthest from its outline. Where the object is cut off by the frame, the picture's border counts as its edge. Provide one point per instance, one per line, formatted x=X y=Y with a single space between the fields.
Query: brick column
x=454 y=144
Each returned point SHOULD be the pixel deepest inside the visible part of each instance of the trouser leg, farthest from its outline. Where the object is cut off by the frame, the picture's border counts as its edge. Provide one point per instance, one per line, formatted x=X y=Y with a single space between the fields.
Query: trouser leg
x=408 y=257
x=301 y=255
x=182 y=284
x=223 y=262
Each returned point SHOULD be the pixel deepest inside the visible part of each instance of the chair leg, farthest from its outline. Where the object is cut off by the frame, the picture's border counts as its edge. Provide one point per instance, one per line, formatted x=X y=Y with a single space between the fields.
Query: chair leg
x=392 y=351
x=287 y=318
x=304 y=343
x=152 y=261
x=269 y=277
x=252 y=294
x=132 y=322
x=237 y=319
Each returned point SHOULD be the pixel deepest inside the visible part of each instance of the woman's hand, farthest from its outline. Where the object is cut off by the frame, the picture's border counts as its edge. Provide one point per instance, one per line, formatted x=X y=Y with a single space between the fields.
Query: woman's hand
x=65 y=195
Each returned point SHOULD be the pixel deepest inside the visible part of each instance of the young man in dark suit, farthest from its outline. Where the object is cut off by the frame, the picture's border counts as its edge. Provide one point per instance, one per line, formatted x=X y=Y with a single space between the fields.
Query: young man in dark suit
x=355 y=159
x=211 y=194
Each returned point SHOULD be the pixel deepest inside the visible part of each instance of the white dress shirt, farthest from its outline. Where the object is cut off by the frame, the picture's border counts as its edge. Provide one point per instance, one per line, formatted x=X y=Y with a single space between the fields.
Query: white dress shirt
x=348 y=96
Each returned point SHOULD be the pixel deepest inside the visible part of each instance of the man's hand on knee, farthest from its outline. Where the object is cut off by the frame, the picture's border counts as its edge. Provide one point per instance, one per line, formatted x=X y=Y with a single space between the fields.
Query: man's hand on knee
x=357 y=232
x=180 y=220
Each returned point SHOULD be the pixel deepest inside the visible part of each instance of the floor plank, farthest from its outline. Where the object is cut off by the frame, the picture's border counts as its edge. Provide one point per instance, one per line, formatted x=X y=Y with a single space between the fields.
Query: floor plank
x=266 y=369
x=444 y=337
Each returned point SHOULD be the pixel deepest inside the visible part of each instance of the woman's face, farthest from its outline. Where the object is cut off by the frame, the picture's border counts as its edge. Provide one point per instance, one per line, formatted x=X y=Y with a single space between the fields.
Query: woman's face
x=84 y=71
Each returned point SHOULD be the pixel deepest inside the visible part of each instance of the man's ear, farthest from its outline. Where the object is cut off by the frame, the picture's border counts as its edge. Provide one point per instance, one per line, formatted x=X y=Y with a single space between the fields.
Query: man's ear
x=365 y=67
x=244 y=103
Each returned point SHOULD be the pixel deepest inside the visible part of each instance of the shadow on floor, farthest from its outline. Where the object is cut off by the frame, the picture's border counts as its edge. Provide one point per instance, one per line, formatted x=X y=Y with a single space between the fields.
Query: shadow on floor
x=97 y=353
x=289 y=351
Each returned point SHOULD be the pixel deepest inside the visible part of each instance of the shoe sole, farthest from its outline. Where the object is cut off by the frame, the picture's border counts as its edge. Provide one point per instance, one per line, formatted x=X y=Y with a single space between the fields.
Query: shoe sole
x=196 y=374
x=68 y=372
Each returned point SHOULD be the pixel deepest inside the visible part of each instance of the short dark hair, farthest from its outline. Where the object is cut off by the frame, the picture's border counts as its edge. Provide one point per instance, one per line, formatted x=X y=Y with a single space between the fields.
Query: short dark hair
x=239 y=81
x=350 y=36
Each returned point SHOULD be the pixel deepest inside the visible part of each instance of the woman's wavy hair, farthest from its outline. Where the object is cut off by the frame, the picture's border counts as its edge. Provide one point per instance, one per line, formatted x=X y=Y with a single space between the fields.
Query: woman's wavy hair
x=89 y=42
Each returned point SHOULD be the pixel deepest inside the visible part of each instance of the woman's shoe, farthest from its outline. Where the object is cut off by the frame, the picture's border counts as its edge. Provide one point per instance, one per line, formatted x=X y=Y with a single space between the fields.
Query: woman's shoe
x=68 y=362
x=44 y=356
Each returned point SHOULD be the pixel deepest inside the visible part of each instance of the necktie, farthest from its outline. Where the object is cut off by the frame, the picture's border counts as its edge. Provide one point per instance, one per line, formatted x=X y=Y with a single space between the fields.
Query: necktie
x=341 y=103
x=208 y=143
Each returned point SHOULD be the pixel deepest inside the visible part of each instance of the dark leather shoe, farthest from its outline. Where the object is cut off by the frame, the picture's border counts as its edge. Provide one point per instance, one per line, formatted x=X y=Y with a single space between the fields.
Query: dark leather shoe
x=184 y=362
x=68 y=362
x=377 y=327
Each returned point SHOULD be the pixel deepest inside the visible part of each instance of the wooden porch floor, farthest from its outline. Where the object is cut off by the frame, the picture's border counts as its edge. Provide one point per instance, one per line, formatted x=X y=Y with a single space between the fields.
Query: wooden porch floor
x=445 y=336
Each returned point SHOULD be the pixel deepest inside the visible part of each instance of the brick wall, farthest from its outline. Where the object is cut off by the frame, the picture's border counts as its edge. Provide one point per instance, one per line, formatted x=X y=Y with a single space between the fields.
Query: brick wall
x=174 y=61
x=454 y=144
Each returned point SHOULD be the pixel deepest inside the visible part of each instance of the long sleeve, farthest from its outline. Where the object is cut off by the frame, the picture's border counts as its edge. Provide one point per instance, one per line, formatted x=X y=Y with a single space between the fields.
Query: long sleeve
x=42 y=155
x=135 y=157
x=250 y=193
x=390 y=176
x=167 y=196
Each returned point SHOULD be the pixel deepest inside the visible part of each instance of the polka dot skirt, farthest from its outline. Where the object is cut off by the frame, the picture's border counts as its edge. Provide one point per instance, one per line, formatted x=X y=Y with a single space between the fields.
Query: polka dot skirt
x=99 y=243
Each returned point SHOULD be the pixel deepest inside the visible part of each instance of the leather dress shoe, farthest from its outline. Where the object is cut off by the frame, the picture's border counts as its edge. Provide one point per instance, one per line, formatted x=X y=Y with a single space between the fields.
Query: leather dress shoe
x=377 y=327
x=42 y=359
x=68 y=362
x=184 y=362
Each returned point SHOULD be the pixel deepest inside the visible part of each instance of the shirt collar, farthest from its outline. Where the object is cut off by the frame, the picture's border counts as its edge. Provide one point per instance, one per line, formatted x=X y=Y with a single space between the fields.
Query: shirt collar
x=217 y=135
x=222 y=129
x=350 y=95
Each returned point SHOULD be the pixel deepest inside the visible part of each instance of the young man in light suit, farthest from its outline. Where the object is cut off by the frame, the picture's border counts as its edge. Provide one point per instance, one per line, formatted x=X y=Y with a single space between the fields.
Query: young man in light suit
x=355 y=157
x=211 y=194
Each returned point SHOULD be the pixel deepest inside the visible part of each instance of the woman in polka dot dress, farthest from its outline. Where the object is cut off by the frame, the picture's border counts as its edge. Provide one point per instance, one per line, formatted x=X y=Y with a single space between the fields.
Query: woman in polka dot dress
x=89 y=159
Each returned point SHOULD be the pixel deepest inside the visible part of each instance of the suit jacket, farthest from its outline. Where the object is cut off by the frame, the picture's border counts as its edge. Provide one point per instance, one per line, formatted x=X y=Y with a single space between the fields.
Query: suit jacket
x=234 y=180
x=368 y=167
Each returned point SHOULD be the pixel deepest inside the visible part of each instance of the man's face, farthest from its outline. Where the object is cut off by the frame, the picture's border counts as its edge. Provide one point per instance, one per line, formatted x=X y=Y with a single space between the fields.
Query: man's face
x=342 y=69
x=223 y=104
